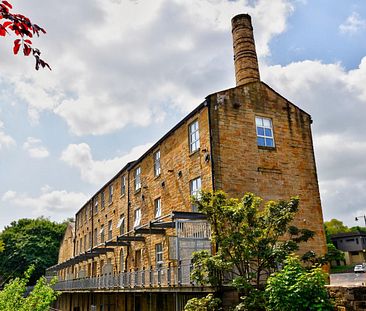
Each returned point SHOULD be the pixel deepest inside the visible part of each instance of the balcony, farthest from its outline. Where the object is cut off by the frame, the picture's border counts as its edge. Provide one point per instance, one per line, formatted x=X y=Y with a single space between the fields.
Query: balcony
x=152 y=279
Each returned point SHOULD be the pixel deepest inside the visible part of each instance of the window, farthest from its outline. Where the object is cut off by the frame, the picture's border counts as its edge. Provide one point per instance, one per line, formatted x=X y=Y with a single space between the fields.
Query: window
x=95 y=236
x=121 y=224
x=194 y=137
x=110 y=230
x=137 y=221
x=123 y=185
x=157 y=163
x=81 y=245
x=110 y=193
x=77 y=247
x=137 y=180
x=159 y=254
x=264 y=132
x=102 y=234
x=122 y=261
x=96 y=205
x=85 y=246
x=157 y=205
x=195 y=187
x=90 y=240
x=102 y=202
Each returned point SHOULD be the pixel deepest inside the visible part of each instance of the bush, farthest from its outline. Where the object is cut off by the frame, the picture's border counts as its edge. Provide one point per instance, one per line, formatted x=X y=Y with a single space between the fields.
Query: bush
x=297 y=288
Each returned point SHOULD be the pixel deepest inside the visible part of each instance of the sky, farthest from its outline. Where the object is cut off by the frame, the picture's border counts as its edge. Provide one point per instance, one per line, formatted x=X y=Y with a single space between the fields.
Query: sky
x=126 y=71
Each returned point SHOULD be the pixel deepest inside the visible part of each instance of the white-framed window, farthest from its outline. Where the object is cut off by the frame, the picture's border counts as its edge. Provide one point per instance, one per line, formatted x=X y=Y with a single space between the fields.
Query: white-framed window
x=101 y=234
x=159 y=254
x=122 y=260
x=264 y=132
x=123 y=185
x=137 y=178
x=85 y=244
x=90 y=239
x=157 y=163
x=102 y=201
x=121 y=224
x=137 y=214
x=110 y=230
x=195 y=188
x=110 y=193
x=194 y=136
x=96 y=205
x=157 y=207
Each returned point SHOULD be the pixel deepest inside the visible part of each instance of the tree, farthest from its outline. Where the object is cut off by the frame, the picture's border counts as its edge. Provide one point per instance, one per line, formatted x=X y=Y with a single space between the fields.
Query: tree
x=297 y=288
x=30 y=241
x=335 y=226
x=22 y=27
x=12 y=297
x=253 y=240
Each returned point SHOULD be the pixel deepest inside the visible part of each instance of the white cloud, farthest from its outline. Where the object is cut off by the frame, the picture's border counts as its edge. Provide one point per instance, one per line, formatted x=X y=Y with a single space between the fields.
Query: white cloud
x=47 y=203
x=139 y=58
x=5 y=140
x=35 y=149
x=98 y=171
x=354 y=23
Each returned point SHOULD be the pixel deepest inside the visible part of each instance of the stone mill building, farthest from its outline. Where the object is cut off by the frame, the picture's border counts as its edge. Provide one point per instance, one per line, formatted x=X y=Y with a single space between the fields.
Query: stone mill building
x=132 y=241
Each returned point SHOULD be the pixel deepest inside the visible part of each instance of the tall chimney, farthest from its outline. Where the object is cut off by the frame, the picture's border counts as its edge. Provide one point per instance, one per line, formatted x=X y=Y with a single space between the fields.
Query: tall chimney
x=245 y=56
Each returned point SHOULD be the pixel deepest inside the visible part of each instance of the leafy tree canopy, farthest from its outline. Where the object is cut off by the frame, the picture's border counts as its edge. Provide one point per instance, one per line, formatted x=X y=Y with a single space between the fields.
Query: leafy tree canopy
x=12 y=297
x=27 y=242
x=335 y=226
x=297 y=288
x=252 y=238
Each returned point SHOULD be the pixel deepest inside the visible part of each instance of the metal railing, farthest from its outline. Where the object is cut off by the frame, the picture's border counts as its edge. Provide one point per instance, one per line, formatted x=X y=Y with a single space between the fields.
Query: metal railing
x=163 y=276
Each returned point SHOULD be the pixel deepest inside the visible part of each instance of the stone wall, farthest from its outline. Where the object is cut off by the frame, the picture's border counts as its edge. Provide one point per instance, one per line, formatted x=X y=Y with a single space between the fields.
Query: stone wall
x=348 y=298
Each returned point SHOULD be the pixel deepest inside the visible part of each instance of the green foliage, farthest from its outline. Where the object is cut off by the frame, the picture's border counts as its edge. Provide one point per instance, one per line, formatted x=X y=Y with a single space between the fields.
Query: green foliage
x=250 y=242
x=335 y=226
x=297 y=288
x=40 y=298
x=27 y=242
x=208 y=303
x=334 y=254
x=1 y=246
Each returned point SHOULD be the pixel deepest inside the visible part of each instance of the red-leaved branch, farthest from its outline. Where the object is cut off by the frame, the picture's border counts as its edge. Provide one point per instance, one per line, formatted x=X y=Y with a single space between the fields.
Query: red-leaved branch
x=24 y=29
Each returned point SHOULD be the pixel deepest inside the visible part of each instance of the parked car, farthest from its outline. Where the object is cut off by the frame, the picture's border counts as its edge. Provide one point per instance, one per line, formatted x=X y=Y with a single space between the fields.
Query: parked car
x=360 y=268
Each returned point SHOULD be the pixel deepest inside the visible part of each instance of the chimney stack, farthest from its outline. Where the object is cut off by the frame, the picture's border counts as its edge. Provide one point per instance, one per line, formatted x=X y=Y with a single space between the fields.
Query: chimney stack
x=245 y=56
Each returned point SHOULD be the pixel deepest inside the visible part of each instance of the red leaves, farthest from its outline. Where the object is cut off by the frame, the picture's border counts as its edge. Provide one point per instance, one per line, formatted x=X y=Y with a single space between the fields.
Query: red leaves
x=16 y=46
x=22 y=27
x=7 y=4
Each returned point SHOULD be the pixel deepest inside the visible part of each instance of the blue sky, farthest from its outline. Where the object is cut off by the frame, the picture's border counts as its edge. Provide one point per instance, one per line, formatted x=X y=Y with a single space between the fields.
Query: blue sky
x=125 y=71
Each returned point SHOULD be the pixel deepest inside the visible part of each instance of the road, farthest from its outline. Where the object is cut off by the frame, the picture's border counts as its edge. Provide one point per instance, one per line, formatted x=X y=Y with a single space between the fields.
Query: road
x=348 y=279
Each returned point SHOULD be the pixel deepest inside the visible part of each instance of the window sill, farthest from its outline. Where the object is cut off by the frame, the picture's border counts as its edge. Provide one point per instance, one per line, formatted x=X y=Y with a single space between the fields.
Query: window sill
x=192 y=153
x=122 y=195
x=267 y=148
x=157 y=176
x=137 y=191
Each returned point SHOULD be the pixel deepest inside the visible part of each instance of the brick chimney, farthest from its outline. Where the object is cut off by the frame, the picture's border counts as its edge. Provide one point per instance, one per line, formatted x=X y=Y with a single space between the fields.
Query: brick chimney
x=245 y=56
